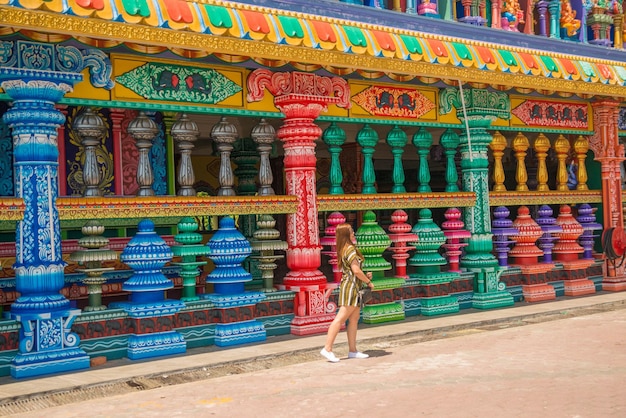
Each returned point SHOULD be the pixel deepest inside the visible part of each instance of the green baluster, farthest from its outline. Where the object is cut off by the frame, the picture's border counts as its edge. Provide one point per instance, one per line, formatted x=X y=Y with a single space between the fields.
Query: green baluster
x=367 y=138
x=397 y=139
x=450 y=142
x=423 y=140
x=427 y=262
x=372 y=241
x=188 y=249
x=334 y=137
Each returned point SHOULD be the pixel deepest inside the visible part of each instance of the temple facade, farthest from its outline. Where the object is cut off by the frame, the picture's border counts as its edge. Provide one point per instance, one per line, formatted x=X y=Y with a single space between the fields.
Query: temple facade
x=173 y=171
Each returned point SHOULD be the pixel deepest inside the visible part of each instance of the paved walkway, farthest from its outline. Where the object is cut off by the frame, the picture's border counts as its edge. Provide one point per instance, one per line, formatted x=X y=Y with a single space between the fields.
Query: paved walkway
x=590 y=350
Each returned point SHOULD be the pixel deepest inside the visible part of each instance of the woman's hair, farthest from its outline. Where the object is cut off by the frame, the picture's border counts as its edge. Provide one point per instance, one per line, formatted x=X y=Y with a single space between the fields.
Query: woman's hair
x=342 y=235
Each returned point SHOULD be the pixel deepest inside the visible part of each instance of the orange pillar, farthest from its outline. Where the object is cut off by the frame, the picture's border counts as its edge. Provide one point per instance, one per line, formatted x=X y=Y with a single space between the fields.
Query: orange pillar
x=608 y=151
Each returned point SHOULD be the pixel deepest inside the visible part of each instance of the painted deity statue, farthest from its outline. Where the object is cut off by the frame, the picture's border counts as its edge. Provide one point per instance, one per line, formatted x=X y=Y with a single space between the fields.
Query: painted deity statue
x=512 y=15
x=428 y=8
x=569 y=23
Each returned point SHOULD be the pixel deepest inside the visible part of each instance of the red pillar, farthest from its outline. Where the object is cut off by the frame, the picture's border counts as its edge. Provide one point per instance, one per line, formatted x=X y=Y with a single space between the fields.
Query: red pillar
x=608 y=151
x=117 y=116
x=302 y=97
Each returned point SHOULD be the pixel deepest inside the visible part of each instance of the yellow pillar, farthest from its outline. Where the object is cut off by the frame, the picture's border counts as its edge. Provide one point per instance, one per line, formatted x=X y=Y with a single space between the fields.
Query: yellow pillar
x=542 y=146
x=520 y=146
x=581 y=146
x=498 y=145
x=561 y=146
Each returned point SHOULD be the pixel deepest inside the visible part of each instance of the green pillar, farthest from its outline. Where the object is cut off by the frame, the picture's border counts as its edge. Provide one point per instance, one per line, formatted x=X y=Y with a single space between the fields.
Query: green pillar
x=397 y=139
x=423 y=141
x=450 y=142
x=477 y=109
x=334 y=137
x=367 y=138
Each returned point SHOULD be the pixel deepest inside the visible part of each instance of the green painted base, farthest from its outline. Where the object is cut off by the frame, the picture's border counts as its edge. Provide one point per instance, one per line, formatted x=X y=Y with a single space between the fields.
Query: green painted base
x=388 y=283
x=383 y=312
x=439 y=305
x=492 y=300
x=435 y=278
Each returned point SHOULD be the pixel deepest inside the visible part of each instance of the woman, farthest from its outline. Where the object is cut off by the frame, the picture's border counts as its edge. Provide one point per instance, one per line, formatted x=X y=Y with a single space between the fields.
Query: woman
x=349 y=260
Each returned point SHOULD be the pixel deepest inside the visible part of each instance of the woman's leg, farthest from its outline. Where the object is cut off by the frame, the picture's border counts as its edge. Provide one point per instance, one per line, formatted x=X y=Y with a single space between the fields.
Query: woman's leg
x=335 y=326
x=353 y=322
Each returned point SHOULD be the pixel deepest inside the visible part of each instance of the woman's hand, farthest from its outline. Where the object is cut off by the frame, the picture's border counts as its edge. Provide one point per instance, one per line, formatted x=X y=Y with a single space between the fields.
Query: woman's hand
x=370 y=285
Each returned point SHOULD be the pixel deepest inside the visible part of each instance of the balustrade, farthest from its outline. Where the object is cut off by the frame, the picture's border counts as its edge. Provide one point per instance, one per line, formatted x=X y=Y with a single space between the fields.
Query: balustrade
x=559 y=19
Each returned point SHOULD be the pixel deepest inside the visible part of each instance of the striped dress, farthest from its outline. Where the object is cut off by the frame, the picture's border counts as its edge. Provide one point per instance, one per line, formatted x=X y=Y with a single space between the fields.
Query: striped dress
x=350 y=285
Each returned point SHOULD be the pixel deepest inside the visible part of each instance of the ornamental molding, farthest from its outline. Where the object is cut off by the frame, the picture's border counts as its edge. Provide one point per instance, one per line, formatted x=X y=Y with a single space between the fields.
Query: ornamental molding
x=607 y=78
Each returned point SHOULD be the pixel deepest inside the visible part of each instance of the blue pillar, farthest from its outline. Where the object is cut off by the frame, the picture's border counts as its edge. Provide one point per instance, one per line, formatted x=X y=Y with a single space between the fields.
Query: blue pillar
x=146 y=253
x=46 y=343
x=234 y=307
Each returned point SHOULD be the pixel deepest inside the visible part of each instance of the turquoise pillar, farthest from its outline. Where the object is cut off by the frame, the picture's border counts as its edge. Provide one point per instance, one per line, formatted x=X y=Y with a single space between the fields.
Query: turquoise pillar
x=397 y=139
x=334 y=137
x=367 y=138
x=423 y=141
x=477 y=109
x=36 y=76
x=46 y=343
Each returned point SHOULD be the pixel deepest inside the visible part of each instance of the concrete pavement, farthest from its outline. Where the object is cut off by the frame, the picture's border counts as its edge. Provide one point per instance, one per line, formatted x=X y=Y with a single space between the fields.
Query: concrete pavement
x=123 y=376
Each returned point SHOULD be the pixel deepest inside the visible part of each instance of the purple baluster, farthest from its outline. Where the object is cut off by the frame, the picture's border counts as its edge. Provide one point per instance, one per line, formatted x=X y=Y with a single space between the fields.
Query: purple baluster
x=542 y=10
x=548 y=226
x=587 y=219
x=502 y=228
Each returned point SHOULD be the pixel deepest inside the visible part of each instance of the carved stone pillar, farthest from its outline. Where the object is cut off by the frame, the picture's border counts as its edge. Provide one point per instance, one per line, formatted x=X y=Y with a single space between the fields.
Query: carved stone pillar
x=90 y=128
x=302 y=97
x=185 y=132
x=264 y=136
x=225 y=134
x=610 y=153
x=143 y=130
x=481 y=109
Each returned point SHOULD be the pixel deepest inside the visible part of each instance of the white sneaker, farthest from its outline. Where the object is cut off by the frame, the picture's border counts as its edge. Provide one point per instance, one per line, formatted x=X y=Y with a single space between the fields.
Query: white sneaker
x=357 y=354
x=329 y=356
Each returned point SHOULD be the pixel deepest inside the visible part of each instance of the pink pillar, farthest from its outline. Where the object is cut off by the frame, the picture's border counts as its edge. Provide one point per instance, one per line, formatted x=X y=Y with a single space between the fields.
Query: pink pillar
x=608 y=151
x=302 y=97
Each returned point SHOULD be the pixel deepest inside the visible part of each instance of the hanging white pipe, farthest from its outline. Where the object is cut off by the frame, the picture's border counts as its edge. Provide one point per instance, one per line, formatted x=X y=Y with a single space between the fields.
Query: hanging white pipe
x=467 y=130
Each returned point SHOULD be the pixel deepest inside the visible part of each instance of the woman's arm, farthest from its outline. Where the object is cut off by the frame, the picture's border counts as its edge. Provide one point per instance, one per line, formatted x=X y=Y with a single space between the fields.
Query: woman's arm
x=365 y=278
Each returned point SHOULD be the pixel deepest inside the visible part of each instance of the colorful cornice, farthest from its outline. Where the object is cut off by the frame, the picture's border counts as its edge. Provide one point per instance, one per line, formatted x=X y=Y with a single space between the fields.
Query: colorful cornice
x=235 y=29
